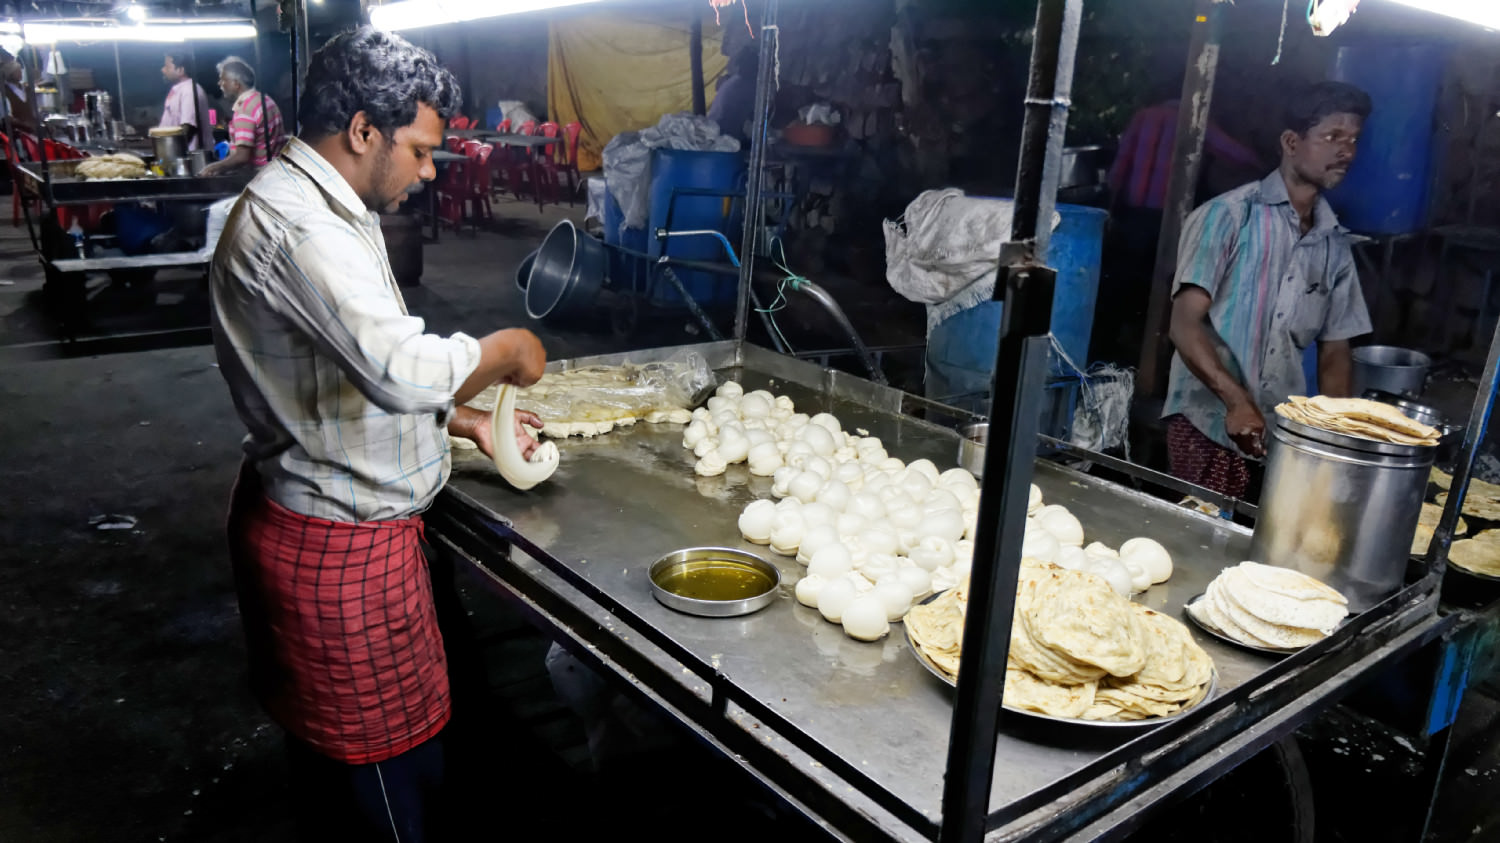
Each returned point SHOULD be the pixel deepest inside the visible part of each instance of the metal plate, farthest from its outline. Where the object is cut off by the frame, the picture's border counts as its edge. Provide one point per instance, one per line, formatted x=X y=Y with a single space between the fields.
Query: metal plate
x=1270 y=651
x=1150 y=722
x=662 y=569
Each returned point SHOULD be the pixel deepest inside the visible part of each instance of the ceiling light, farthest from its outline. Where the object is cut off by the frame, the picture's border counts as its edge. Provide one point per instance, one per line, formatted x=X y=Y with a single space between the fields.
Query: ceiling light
x=413 y=14
x=1486 y=13
x=136 y=12
x=160 y=31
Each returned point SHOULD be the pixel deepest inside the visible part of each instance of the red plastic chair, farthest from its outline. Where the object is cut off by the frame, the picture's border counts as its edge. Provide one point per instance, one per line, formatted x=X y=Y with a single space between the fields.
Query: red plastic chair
x=477 y=197
x=545 y=167
x=458 y=121
x=503 y=127
x=454 y=145
x=527 y=128
x=573 y=131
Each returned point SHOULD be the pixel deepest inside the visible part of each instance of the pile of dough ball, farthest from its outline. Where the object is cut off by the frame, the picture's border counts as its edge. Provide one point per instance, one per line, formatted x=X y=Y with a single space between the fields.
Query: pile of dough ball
x=877 y=534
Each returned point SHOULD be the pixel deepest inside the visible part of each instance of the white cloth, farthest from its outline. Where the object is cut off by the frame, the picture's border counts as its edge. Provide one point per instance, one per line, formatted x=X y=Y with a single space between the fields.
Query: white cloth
x=944 y=252
x=345 y=397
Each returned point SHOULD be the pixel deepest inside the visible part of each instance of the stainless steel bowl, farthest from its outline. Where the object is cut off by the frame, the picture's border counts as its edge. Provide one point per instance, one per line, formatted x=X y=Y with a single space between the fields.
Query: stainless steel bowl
x=714 y=582
x=971 y=447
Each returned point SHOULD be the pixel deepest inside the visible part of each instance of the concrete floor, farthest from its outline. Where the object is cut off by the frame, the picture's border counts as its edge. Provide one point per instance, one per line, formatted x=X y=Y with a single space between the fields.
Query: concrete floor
x=123 y=710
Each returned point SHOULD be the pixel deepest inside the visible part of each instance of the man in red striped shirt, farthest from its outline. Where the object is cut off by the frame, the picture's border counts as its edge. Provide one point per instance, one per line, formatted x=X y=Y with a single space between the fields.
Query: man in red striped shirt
x=255 y=131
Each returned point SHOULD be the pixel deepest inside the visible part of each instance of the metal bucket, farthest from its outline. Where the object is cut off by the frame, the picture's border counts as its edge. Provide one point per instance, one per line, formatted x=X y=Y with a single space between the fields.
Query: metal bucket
x=1340 y=508
x=1390 y=369
x=566 y=275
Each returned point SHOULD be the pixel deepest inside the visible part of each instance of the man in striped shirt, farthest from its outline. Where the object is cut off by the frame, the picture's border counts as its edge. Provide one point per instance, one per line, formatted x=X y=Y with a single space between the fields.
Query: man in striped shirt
x=348 y=401
x=255 y=130
x=1263 y=272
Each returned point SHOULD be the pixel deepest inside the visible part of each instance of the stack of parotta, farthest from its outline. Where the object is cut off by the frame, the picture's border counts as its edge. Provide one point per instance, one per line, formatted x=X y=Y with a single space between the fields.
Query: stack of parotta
x=1078 y=649
x=1266 y=606
x=1359 y=417
x=120 y=165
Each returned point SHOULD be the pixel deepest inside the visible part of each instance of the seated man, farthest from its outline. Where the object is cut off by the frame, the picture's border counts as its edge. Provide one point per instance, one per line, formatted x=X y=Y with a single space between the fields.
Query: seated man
x=1263 y=271
x=255 y=131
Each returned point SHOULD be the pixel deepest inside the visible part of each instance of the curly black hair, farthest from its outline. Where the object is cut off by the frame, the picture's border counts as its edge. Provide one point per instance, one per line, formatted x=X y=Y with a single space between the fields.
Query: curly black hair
x=1308 y=106
x=379 y=73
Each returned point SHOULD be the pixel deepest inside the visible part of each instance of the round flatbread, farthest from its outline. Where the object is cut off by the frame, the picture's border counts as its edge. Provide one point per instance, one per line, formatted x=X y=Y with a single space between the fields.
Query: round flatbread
x=1081 y=617
x=1028 y=693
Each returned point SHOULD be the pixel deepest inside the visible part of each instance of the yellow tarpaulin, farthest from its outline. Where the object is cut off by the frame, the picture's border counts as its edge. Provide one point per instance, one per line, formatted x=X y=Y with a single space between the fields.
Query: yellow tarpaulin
x=620 y=72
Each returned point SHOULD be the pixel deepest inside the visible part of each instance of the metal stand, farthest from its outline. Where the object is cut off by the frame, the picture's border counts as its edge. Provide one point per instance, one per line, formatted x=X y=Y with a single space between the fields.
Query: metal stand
x=1020 y=376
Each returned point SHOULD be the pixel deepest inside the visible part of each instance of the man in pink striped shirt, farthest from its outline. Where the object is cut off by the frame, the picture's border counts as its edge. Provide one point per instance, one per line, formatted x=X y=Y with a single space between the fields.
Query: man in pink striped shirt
x=255 y=130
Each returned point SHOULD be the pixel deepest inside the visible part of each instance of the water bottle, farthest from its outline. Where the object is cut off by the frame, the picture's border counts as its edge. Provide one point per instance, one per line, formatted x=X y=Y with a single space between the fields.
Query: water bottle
x=76 y=231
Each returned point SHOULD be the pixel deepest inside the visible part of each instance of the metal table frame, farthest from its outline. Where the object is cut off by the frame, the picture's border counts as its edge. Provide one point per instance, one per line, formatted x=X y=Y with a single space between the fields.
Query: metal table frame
x=1106 y=798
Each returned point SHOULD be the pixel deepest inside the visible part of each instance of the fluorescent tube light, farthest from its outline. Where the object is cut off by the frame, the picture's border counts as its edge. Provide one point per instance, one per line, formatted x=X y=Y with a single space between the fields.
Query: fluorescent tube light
x=413 y=14
x=1486 y=13
x=164 y=32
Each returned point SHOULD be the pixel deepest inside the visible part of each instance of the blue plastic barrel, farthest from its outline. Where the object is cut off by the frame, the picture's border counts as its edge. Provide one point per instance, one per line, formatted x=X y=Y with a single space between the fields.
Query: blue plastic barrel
x=961 y=349
x=1388 y=188
x=630 y=238
x=677 y=169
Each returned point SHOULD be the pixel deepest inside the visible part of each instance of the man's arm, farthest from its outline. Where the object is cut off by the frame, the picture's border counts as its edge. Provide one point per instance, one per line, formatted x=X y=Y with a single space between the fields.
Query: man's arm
x=1190 y=332
x=324 y=281
x=238 y=157
x=1335 y=368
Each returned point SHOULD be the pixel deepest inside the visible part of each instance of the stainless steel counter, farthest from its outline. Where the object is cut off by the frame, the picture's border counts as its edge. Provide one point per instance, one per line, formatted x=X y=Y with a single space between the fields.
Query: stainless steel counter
x=620 y=501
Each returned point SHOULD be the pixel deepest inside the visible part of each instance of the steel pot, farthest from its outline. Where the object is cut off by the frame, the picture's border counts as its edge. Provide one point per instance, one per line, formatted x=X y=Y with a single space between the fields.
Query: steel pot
x=168 y=144
x=1401 y=371
x=566 y=275
x=1340 y=508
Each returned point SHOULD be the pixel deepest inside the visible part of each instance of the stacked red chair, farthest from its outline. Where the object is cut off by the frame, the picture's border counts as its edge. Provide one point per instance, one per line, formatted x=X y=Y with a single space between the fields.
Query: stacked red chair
x=546 y=168
x=477 y=196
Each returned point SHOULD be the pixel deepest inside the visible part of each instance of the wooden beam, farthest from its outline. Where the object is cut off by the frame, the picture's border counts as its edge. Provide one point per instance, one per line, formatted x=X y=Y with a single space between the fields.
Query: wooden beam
x=1182 y=185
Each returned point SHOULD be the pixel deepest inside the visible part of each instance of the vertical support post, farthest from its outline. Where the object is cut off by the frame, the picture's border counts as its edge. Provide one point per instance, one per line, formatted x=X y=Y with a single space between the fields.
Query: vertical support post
x=1020 y=379
x=695 y=58
x=755 y=186
x=120 y=82
x=1463 y=470
x=1048 y=98
x=1182 y=184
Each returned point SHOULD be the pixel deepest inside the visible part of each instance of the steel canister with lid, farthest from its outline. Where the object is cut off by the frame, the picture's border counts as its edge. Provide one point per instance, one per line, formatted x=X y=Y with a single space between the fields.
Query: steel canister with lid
x=1341 y=508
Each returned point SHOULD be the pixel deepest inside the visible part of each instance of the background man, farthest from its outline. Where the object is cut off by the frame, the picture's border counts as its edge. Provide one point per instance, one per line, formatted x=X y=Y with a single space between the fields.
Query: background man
x=348 y=403
x=255 y=129
x=1263 y=271
x=187 y=104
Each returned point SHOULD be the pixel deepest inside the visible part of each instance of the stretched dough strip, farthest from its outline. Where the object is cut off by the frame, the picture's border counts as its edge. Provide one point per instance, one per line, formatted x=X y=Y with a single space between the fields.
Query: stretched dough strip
x=516 y=469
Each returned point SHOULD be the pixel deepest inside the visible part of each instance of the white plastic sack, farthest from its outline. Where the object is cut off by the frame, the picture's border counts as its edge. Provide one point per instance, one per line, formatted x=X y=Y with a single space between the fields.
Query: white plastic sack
x=516 y=112
x=627 y=158
x=944 y=252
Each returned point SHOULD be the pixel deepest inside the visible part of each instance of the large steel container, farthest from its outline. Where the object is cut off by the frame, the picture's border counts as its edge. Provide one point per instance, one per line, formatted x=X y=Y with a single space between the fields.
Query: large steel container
x=1340 y=508
x=1399 y=371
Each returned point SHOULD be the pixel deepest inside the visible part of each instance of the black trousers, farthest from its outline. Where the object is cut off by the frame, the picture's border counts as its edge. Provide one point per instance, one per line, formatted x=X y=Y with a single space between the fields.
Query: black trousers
x=399 y=800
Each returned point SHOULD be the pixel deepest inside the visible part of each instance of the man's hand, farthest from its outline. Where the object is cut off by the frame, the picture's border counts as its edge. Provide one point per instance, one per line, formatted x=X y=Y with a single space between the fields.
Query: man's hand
x=1247 y=427
x=473 y=424
x=212 y=169
x=528 y=358
x=513 y=356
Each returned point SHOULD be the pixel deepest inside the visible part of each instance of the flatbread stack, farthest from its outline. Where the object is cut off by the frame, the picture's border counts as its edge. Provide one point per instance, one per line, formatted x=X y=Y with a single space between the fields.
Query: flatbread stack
x=1078 y=649
x=1359 y=417
x=1481 y=501
x=120 y=165
x=1427 y=524
x=1269 y=607
x=1480 y=554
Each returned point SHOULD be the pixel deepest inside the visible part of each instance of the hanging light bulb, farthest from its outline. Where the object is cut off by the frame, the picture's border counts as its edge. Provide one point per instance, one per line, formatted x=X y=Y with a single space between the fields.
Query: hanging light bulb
x=136 y=13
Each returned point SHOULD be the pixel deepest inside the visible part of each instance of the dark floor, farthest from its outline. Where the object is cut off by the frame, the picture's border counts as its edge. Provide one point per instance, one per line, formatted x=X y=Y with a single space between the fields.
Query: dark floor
x=123 y=710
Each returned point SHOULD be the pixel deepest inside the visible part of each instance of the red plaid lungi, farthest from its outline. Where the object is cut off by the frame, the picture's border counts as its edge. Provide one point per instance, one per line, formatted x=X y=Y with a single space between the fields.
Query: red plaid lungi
x=345 y=651
x=1200 y=460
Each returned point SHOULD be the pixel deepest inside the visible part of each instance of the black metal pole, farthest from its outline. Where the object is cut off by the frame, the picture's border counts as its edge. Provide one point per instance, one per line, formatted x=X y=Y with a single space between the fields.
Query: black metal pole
x=755 y=186
x=1020 y=377
x=1479 y=423
x=1048 y=97
x=1182 y=185
x=695 y=58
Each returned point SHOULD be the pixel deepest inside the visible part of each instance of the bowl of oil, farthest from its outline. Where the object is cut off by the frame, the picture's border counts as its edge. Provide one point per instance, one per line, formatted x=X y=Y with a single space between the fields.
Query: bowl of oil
x=714 y=582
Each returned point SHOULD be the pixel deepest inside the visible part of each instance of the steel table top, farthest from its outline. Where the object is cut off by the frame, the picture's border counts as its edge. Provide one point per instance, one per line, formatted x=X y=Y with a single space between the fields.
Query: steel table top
x=620 y=501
